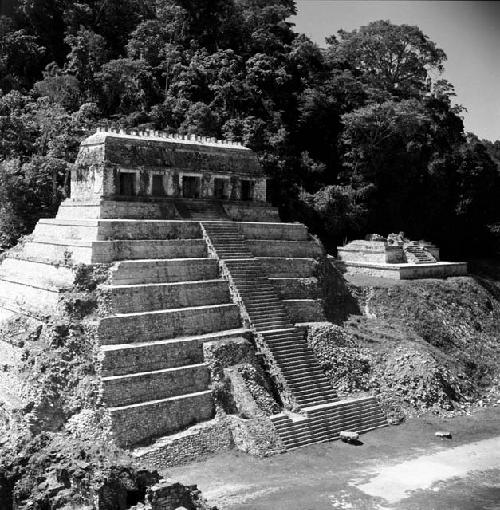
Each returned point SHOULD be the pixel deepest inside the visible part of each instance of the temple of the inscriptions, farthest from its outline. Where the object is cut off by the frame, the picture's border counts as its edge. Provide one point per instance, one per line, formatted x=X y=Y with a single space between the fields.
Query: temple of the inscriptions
x=192 y=253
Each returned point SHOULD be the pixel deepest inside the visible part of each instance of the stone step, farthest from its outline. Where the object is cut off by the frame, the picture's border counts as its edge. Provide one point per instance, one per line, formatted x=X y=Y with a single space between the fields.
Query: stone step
x=365 y=407
x=158 y=296
x=292 y=349
x=291 y=362
x=18 y=294
x=130 y=272
x=284 y=333
x=293 y=440
x=285 y=341
x=290 y=356
x=323 y=390
x=295 y=360
x=263 y=318
x=257 y=307
x=289 y=345
x=268 y=315
x=280 y=320
x=121 y=359
x=94 y=252
x=105 y=230
x=41 y=273
x=345 y=417
x=289 y=340
x=229 y=246
x=300 y=378
x=303 y=402
x=164 y=324
x=123 y=390
x=271 y=324
x=302 y=390
x=140 y=423
x=253 y=295
x=318 y=393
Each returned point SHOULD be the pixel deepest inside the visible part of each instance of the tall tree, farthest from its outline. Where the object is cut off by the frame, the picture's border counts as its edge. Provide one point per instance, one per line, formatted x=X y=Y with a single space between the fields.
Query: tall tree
x=392 y=58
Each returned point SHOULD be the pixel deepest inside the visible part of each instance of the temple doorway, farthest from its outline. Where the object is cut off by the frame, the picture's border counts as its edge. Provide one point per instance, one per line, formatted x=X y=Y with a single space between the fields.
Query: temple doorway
x=191 y=186
x=246 y=190
x=220 y=188
x=127 y=183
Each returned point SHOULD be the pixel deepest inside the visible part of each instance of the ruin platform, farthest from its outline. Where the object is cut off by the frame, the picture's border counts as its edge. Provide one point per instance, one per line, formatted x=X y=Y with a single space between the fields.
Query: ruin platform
x=405 y=271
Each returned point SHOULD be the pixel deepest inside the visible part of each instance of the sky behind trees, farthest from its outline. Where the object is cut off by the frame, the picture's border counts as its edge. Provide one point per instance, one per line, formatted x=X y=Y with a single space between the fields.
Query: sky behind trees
x=468 y=32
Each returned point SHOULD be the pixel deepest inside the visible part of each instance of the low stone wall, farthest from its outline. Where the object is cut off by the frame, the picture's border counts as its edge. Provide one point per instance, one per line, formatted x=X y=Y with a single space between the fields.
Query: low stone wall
x=408 y=271
x=439 y=270
x=196 y=443
x=360 y=255
x=141 y=422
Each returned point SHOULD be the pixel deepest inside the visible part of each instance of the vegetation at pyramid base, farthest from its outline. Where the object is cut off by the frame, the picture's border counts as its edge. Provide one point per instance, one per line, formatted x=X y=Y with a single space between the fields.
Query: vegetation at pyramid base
x=355 y=136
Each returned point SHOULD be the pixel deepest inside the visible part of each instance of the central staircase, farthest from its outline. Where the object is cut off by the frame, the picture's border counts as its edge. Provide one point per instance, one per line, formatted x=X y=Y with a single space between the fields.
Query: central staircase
x=418 y=255
x=322 y=416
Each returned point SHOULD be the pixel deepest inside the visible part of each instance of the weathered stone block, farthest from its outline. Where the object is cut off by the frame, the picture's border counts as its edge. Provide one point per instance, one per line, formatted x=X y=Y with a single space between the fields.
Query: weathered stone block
x=142 y=422
x=132 y=272
x=139 y=298
x=143 y=386
x=165 y=324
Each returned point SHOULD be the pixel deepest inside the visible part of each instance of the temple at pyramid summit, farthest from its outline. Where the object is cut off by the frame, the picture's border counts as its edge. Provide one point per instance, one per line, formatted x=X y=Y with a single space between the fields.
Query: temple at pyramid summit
x=191 y=253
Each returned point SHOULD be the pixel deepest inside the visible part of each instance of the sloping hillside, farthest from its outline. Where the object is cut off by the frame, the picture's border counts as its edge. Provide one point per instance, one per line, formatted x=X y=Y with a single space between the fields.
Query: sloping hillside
x=426 y=345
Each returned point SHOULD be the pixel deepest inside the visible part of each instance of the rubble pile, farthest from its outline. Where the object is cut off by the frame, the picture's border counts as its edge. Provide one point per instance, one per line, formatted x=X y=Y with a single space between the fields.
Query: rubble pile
x=346 y=363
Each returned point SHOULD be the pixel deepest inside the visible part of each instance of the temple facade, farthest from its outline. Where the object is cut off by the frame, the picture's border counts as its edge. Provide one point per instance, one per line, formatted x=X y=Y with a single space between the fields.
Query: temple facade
x=154 y=169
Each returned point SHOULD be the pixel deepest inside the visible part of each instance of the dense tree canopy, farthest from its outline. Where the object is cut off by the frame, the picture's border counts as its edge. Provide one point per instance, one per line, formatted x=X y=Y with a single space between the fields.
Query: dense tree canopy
x=355 y=136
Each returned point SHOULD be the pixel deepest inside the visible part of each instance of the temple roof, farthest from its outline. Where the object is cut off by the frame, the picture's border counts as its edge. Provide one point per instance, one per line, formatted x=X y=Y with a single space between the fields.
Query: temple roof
x=158 y=150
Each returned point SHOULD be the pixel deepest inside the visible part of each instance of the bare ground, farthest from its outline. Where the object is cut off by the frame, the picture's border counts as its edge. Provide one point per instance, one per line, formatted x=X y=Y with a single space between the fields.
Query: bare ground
x=404 y=467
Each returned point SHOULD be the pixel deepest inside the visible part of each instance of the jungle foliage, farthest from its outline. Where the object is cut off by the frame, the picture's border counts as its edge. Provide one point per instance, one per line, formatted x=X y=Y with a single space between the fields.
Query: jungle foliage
x=354 y=136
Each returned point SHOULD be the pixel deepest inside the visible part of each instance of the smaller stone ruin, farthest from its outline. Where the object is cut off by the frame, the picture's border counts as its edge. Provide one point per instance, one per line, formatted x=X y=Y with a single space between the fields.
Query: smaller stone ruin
x=396 y=256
